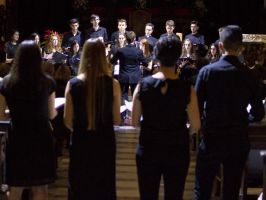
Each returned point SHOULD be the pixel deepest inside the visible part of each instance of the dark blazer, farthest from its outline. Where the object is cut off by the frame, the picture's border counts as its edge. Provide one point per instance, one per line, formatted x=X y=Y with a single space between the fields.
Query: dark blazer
x=224 y=89
x=130 y=59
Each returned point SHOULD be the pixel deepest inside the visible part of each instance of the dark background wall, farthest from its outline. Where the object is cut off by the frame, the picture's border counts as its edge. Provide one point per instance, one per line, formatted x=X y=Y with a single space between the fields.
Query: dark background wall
x=35 y=15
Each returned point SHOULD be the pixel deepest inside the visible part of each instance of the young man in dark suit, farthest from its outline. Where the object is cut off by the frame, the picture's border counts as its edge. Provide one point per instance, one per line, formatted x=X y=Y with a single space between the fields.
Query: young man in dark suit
x=130 y=58
x=149 y=27
x=96 y=31
x=225 y=89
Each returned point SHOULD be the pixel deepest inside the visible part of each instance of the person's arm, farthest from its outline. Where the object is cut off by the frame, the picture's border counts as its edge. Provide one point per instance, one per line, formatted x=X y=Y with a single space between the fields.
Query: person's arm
x=51 y=106
x=9 y=60
x=116 y=102
x=193 y=112
x=136 y=107
x=68 y=109
x=105 y=36
x=257 y=111
x=202 y=40
x=3 y=106
x=115 y=57
x=200 y=87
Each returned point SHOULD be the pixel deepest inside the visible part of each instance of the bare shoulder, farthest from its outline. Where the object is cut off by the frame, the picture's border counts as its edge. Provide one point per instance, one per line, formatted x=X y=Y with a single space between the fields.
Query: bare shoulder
x=115 y=83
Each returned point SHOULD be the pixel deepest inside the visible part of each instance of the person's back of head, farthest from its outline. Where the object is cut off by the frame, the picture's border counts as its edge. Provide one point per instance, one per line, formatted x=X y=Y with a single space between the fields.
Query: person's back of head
x=167 y=50
x=130 y=36
x=93 y=57
x=28 y=58
x=94 y=65
x=231 y=37
x=26 y=68
x=62 y=73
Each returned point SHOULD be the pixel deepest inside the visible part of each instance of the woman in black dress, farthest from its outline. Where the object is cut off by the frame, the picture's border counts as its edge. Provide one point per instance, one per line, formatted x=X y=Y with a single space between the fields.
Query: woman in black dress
x=92 y=108
x=29 y=95
x=166 y=104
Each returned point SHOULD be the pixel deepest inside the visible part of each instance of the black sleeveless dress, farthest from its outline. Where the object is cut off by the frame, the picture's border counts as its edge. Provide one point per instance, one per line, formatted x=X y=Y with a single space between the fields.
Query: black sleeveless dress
x=163 y=128
x=92 y=153
x=30 y=155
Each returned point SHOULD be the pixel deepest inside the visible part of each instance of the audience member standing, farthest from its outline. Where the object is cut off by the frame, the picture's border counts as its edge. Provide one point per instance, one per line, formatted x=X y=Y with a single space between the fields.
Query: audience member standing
x=92 y=108
x=130 y=58
x=29 y=95
x=73 y=35
x=165 y=103
x=225 y=89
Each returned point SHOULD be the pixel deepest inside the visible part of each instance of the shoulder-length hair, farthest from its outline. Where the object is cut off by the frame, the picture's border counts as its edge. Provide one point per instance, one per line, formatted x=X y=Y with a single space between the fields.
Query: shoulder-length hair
x=146 y=47
x=26 y=68
x=94 y=66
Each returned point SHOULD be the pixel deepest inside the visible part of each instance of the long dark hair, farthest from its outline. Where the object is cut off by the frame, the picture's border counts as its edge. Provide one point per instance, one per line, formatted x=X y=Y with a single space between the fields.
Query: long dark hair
x=26 y=68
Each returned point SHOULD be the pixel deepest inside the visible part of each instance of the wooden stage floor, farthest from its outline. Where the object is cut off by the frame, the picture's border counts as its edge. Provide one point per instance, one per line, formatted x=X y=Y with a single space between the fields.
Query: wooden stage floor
x=127 y=188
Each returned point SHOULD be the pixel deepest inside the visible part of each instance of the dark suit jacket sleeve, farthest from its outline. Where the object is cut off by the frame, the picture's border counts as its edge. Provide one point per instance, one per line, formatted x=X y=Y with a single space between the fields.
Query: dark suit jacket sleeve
x=115 y=57
x=105 y=35
x=257 y=111
x=202 y=40
x=201 y=90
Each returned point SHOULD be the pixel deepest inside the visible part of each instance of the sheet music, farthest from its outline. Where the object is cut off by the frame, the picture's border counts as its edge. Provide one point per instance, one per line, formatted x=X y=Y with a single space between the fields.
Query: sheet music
x=60 y=101
x=129 y=105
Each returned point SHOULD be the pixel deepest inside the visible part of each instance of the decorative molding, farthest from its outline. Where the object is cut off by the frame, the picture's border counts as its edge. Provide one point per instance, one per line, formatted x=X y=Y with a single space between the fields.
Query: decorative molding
x=254 y=38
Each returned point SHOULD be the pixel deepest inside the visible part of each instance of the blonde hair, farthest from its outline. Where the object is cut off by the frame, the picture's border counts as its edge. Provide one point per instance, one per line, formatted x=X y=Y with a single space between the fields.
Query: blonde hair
x=94 y=66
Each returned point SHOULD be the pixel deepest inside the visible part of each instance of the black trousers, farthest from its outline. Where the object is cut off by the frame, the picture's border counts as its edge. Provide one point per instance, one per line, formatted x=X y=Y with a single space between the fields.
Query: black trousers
x=209 y=160
x=124 y=90
x=173 y=168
